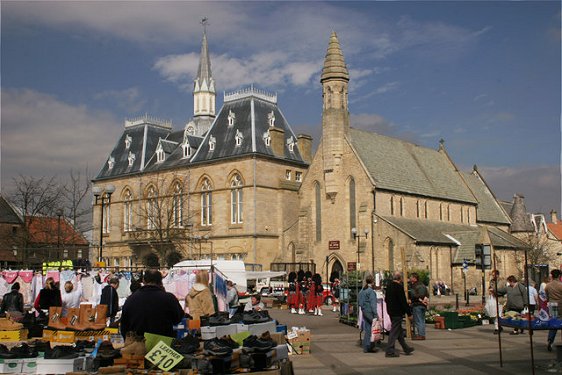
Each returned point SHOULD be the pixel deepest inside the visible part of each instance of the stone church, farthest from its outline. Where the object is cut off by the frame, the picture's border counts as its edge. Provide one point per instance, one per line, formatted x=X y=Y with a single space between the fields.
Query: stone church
x=241 y=184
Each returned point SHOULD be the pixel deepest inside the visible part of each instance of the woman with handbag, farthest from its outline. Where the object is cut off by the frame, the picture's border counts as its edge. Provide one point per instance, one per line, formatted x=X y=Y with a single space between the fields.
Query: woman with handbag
x=368 y=305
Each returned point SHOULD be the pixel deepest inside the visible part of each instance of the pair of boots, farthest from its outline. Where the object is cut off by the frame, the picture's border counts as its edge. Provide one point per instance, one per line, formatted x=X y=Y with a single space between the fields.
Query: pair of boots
x=301 y=311
x=78 y=319
x=9 y=325
x=293 y=310
x=134 y=346
x=317 y=311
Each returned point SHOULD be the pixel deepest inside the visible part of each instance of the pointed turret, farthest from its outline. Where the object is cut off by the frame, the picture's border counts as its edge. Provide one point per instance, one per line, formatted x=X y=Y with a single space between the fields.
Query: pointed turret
x=335 y=115
x=334 y=63
x=519 y=216
x=203 y=90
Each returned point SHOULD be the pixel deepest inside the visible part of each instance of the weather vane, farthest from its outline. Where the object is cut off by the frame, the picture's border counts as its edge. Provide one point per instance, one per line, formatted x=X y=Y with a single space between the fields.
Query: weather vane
x=204 y=22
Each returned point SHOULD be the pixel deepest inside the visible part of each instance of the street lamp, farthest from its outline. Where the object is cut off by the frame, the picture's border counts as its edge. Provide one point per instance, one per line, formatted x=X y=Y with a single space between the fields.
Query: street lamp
x=104 y=196
x=357 y=237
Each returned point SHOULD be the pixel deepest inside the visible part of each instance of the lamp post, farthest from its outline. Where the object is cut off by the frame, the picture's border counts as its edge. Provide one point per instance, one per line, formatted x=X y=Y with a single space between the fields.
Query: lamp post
x=357 y=237
x=104 y=196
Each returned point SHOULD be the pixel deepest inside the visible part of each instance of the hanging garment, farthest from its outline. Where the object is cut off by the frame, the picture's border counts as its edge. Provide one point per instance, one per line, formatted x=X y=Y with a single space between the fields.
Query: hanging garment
x=26 y=276
x=54 y=274
x=10 y=276
x=36 y=285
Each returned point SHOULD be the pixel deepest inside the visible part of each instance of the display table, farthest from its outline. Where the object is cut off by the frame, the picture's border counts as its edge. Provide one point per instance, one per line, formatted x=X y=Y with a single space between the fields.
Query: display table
x=536 y=324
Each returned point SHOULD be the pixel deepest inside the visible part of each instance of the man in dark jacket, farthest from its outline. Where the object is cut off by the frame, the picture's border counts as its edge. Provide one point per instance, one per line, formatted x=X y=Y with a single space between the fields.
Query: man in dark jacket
x=151 y=309
x=419 y=295
x=110 y=298
x=13 y=302
x=396 y=306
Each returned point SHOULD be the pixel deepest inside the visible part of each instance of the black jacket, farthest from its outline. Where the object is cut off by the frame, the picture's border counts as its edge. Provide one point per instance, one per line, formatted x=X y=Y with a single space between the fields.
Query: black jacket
x=49 y=297
x=12 y=301
x=396 y=303
x=110 y=298
x=151 y=309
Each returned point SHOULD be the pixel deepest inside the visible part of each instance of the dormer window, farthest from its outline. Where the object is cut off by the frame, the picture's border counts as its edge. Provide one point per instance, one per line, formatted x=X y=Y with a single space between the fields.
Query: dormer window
x=291 y=143
x=160 y=154
x=110 y=163
x=128 y=140
x=271 y=119
x=231 y=118
x=186 y=150
x=131 y=158
x=212 y=142
x=267 y=138
x=239 y=138
x=298 y=176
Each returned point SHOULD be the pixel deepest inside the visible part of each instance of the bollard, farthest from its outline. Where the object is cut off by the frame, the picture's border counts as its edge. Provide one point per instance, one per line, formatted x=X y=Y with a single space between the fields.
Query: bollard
x=457 y=301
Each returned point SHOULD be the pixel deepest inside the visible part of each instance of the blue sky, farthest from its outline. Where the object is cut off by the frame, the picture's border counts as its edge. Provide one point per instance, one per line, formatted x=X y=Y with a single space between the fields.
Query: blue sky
x=484 y=76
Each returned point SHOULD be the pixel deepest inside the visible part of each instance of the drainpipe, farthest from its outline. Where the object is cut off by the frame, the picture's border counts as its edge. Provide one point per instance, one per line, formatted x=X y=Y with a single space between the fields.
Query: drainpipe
x=255 y=216
x=373 y=222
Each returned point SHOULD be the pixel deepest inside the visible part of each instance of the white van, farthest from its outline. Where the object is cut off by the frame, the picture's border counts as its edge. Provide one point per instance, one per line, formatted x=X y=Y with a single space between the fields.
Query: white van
x=233 y=270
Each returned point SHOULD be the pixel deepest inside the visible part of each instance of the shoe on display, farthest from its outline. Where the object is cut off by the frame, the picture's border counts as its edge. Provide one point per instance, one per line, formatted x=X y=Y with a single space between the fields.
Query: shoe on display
x=218 y=321
x=186 y=345
x=24 y=351
x=5 y=353
x=228 y=341
x=215 y=347
x=237 y=318
x=9 y=325
x=258 y=344
x=61 y=352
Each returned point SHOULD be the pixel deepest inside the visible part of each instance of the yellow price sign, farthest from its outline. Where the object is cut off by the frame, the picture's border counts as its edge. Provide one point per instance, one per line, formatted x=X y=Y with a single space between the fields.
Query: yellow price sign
x=164 y=357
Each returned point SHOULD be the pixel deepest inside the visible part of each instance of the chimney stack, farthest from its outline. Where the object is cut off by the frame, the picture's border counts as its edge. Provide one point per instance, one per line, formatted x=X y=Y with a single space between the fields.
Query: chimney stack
x=277 y=141
x=305 y=146
x=553 y=217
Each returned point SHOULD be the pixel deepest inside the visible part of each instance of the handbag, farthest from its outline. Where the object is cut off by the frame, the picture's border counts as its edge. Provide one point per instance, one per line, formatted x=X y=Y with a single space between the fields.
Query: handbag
x=376 y=333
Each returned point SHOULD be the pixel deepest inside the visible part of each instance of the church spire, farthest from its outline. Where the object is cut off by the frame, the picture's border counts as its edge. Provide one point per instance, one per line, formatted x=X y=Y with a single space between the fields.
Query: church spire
x=203 y=91
x=334 y=63
x=335 y=115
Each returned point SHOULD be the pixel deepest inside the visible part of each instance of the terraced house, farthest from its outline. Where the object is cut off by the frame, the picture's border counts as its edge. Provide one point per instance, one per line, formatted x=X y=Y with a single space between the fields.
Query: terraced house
x=242 y=185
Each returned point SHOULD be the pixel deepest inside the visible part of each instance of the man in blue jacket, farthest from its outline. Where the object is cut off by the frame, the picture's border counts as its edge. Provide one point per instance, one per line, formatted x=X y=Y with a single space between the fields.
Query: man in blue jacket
x=368 y=305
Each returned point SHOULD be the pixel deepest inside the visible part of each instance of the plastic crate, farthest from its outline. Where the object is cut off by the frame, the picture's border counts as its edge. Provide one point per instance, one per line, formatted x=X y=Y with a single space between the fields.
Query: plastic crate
x=451 y=319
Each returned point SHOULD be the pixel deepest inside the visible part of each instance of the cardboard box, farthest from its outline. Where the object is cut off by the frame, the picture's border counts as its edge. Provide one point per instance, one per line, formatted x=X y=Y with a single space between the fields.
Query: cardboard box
x=59 y=366
x=8 y=336
x=259 y=328
x=208 y=333
x=11 y=366
x=279 y=338
x=299 y=341
x=29 y=366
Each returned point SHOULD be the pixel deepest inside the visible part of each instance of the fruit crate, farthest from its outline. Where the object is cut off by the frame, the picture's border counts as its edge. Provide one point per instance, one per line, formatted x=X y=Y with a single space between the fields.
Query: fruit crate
x=452 y=320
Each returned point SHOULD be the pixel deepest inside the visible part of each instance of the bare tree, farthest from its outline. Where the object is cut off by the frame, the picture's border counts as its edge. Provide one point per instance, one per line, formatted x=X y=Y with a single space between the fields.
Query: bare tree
x=540 y=251
x=76 y=191
x=165 y=218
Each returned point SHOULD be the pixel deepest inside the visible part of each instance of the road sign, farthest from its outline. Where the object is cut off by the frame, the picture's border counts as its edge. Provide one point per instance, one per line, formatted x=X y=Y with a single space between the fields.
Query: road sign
x=352 y=266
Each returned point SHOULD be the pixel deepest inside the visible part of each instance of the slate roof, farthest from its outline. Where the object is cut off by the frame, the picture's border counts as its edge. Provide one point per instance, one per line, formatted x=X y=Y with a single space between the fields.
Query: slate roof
x=251 y=108
x=7 y=213
x=144 y=140
x=488 y=209
x=408 y=168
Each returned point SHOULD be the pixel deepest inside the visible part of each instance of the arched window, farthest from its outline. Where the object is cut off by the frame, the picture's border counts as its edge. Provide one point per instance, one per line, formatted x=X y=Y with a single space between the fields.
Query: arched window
x=441 y=211
x=448 y=212
x=352 y=207
x=206 y=203
x=401 y=206
x=236 y=200
x=177 y=205
x=468 y=214
x=418 y=208
x=425 y=209
x=318 y=212
x=151 y=208
x=392 y=205
x=127 y=211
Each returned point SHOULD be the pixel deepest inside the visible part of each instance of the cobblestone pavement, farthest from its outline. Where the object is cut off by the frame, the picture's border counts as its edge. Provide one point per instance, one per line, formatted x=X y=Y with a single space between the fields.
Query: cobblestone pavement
x=335 y=350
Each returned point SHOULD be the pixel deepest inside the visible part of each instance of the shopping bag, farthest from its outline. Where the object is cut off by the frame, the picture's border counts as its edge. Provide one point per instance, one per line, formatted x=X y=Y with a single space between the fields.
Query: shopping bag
x=376 y=331
x=490 y=307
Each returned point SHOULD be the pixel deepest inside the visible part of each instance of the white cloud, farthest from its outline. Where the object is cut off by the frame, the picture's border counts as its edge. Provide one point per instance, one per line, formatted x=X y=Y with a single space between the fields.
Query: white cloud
x=129 y=99
x=539 y=184
x=41 y=133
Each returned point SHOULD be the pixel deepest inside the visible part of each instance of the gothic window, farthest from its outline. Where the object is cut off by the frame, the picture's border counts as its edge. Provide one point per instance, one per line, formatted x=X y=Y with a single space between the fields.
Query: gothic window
x=352 y=206
x=110 y=162
x=318 y=212
x=425 y=209
x=267 y=138
x=231 y=118
x=177 y=206
x=418 y=208
x=448 y=212
x=186 y=150
x=462 y=215
x=128 y=140
x=392 y=205
x=127 y=211
x=468 y=214
x=151 y=208
x=206 y=203
x=159 y=153
x=271 y=119
x=441 y=211
x=236 y=200
x=239 y=138
x=131 y=158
